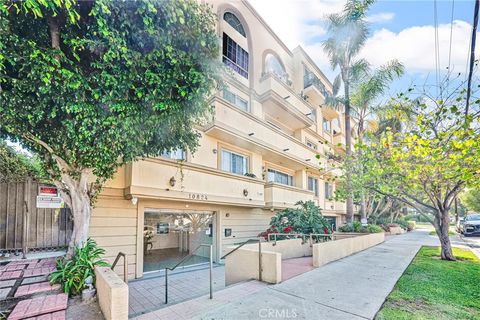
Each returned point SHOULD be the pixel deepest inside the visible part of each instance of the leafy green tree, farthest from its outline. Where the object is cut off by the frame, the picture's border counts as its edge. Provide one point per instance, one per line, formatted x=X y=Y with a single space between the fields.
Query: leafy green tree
x=471 y=199
x=347 y=33
x=16 y=166
x=429 y=163
x=91 y=85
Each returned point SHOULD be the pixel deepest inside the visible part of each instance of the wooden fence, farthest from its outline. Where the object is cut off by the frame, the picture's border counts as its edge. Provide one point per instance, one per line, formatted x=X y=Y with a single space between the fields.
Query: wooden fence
x=46 y=229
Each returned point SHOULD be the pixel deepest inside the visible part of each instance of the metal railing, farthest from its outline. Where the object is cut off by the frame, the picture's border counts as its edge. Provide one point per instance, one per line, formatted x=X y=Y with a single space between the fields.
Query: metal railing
x=295 y=235
x=125 y=265
x=187 y=258
x=259 y=254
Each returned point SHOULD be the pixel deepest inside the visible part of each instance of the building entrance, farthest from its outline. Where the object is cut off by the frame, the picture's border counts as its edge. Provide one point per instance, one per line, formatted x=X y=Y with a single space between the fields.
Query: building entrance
x=170 y=236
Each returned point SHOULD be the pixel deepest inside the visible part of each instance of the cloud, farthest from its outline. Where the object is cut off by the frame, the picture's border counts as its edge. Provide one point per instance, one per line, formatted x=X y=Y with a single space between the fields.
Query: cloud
x=381 y=17
x=415 y=47
x=296 y=22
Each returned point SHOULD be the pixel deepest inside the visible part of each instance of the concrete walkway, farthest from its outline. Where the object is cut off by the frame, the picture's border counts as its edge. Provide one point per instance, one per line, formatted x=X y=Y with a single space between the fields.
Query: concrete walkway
x=351 y=288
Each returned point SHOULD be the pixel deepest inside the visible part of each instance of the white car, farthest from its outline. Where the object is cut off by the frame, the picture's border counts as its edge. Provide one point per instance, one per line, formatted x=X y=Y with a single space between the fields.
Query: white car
x=471 y=225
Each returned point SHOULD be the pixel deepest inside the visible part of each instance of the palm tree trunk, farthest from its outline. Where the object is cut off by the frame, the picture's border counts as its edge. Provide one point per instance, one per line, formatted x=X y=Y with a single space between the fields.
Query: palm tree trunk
x=348 y=148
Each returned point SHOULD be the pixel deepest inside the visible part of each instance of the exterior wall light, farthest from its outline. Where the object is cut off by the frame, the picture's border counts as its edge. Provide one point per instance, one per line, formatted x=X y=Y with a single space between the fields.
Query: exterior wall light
x=172 y=181
x=214 y=151
x=286 y=149
x=245 y=192
x=251 y=134
x=134 y=201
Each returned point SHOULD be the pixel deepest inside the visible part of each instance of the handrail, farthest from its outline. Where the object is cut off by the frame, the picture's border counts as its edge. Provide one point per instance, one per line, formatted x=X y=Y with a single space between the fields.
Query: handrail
x=259 y=254
x=285 y=234
x=185 y=259
x=125 y=265
x=239 y=246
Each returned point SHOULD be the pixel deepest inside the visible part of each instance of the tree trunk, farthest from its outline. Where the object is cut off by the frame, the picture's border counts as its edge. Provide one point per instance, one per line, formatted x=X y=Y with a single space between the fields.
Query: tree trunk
x=80 y=204
x=348 y=149
x=363 y=205
x=81 y=211
x=442 y=226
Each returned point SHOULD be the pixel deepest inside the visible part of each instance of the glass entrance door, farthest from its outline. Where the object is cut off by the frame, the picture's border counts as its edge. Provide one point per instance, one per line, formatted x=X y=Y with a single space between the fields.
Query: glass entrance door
x=170 y=236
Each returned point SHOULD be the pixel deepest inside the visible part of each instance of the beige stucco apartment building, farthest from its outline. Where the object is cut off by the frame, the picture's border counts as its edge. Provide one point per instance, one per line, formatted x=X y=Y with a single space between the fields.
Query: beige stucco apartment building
x=257 y=155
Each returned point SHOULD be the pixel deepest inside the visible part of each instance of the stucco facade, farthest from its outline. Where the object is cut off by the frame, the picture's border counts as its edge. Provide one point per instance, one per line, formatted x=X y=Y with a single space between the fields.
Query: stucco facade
x=257 y=154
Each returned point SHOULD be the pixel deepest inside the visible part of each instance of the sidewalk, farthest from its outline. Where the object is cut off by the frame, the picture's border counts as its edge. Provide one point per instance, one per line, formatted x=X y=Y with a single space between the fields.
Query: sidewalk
x=351 y=288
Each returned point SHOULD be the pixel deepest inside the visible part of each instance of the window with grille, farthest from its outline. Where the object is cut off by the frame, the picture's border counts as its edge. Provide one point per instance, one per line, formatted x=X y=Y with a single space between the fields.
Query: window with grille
x=235 y=56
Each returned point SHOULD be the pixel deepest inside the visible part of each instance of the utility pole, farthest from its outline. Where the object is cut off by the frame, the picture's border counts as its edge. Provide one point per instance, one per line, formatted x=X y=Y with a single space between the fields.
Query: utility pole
x=472 y=56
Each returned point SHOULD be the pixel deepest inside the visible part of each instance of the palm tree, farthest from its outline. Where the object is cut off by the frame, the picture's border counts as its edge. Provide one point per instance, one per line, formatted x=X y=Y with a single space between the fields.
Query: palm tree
x=347 y=32
x=368 y=86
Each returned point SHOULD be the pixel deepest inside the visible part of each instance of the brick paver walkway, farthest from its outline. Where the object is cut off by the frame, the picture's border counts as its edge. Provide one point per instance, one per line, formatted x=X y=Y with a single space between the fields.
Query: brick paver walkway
x=39 y=306
x=35 y=288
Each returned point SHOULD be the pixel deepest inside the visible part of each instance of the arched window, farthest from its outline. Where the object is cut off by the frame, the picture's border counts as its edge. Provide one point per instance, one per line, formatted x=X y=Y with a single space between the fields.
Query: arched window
x=232 y=20
x=273 y=65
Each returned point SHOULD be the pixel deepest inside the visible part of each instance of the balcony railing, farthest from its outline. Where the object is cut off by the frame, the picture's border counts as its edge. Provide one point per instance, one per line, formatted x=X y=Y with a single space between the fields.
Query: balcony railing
x=284 y=196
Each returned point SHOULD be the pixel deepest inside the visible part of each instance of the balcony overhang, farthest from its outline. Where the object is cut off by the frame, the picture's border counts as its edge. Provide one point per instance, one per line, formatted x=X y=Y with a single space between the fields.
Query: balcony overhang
x=315 y=96
x=283 y=111
x=274 y=154
x=330 y=113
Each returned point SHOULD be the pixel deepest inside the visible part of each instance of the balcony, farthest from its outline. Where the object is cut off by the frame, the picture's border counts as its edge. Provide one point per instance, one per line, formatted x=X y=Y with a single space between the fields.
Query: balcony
x=281 y=103
x=170 y=180
x=314 y=89
x=339 y=143
x=279 y=196
x=246 y=131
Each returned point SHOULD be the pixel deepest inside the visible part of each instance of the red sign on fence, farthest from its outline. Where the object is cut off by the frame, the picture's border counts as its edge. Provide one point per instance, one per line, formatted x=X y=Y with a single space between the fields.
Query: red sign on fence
x=48 y=191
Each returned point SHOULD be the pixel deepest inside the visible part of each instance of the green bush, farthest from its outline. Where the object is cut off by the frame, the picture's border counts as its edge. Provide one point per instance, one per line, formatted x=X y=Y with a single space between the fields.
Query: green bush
x=357 y=227
x=306 y=218
x=71 y=274
x=412 y=225
x=373 y=228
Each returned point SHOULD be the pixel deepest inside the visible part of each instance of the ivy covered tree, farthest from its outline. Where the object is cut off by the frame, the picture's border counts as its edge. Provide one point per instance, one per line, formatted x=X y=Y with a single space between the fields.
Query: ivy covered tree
x=16 y=166
x=428 y=163
x=91 y=85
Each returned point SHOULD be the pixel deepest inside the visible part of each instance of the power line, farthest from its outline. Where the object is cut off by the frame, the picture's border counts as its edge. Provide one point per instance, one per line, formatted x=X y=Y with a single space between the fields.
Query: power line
x=437 y=55
x=451 y=35
x=472 y=55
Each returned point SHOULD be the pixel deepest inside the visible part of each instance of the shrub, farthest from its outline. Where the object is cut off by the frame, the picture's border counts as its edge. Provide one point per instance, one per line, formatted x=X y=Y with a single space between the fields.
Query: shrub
x=306 y=218
x=71 y=274
x=411 y=225
x=373 y=228
x=357 y=227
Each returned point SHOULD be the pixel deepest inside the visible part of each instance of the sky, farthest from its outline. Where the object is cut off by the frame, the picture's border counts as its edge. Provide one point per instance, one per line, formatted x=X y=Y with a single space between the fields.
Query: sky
x=402 y=30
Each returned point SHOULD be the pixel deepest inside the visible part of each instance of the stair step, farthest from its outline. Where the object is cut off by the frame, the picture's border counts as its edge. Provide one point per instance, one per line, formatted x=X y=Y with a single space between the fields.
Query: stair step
x=58 y=315
x=35 y=288
x=35 y=307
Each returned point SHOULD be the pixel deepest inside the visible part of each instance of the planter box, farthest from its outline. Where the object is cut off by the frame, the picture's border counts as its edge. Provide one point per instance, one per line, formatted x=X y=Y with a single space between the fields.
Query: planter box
x=326 y=252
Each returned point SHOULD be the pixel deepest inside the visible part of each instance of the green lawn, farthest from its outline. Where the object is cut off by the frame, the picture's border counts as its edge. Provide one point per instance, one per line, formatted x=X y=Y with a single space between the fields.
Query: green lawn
x=434 y=289
x=450 y=233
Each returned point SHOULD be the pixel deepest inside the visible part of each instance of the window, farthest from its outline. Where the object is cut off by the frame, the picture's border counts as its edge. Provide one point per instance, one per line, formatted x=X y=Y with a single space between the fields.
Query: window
x=313 y=185
x=311 y=145
x=336 y=124
x=234 y=163
x=234 y=56
x=327 y=125
x=313 y=115
x=279 y=177
x=177 y=154
x=273 y=65
x=233 y=21
x=163 y=228
x=328 y=191
x=238 y=102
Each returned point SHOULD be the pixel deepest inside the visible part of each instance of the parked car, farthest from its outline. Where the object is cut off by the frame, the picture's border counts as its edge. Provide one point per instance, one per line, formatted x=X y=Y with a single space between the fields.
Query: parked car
x=471 y=225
